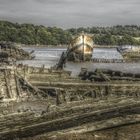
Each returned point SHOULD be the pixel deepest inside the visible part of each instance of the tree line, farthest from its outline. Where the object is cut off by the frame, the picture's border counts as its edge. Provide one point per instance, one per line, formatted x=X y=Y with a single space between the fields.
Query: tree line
x=116 y=35
x=34 y=34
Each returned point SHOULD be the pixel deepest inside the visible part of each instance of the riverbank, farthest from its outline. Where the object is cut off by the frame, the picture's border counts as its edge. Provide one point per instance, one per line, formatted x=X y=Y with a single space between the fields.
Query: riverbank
x=43 y=46
x=61 y=46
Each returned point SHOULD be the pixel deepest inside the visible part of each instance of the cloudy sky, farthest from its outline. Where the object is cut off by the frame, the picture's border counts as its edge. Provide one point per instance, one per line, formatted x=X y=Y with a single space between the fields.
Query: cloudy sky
x=71 y=13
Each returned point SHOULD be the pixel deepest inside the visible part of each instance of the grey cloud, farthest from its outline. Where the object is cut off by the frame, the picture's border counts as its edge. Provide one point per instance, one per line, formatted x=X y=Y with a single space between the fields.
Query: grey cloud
x=71 y=13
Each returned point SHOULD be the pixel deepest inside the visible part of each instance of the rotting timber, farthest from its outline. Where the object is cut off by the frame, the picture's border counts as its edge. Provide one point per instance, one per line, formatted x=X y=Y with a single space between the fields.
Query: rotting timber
x=15 y=52
x=77 y=106
x=108 y=75
x=39 y=103
x=130 y=53
x=131 y=56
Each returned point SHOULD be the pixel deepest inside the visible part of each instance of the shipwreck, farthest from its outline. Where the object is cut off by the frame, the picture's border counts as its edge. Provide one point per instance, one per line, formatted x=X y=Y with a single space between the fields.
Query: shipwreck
x=15 y=52
x=39 y=103
x=80 y=49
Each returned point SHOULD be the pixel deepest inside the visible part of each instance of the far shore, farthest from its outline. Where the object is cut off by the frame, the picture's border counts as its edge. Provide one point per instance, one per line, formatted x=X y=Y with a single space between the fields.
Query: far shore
x=44 y=46
x=61 y=46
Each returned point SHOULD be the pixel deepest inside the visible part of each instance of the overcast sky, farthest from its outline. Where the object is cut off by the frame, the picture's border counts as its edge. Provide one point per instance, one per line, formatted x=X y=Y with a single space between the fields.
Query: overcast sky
x=71 y=13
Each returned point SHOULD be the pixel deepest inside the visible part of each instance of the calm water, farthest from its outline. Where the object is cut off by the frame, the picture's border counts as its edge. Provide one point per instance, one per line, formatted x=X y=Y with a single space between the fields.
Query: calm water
x=49 y=57
x=106 y=53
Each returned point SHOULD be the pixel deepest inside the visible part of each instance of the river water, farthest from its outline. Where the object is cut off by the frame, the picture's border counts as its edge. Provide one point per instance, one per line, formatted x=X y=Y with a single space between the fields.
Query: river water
x=50 y=56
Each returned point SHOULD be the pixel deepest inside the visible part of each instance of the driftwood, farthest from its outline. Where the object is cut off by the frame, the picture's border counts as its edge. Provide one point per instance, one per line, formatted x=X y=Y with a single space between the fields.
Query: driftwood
x=108 y=75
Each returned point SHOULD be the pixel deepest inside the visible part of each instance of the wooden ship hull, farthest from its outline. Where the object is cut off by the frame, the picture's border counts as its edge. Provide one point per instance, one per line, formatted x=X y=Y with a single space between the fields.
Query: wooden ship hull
x=53 y=104
x=83 y=48
x=14 y=52
x=131 y=56
x=130 y=53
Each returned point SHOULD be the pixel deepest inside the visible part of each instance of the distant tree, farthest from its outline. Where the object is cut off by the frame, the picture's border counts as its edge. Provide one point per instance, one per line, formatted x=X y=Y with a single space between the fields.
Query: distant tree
x=127 y=40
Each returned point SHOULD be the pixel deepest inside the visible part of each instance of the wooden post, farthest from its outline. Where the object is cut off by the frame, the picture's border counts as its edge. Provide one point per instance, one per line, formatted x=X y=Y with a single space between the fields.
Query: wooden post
x=83 y=47
x=7 y=84
x=17 y=85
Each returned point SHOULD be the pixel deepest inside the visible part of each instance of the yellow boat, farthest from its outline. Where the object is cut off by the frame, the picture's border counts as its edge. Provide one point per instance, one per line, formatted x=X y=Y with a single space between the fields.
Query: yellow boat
x=82 y=45
x=80 y=49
